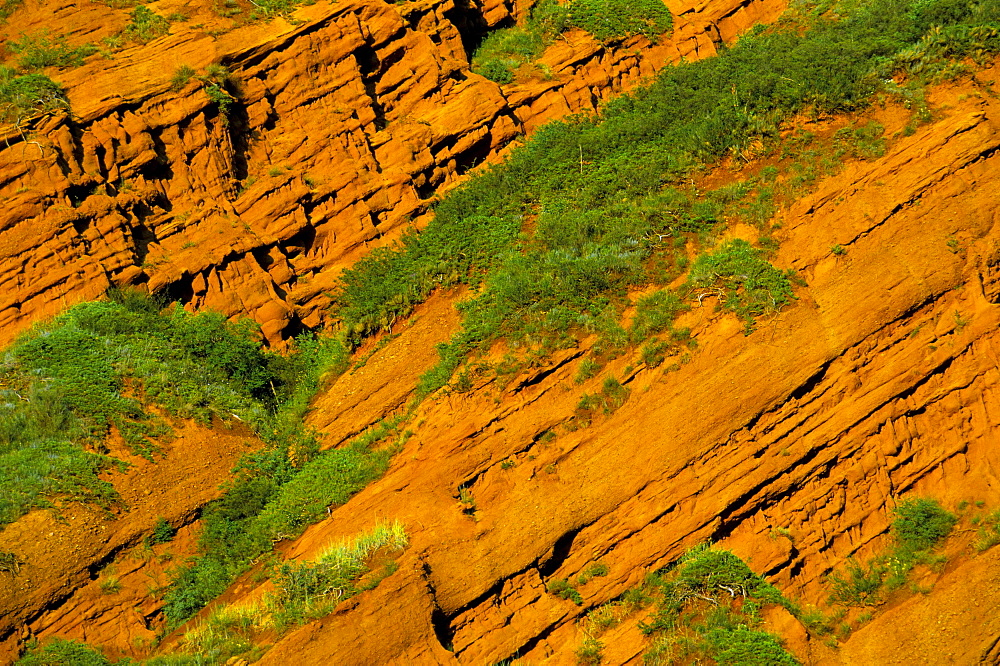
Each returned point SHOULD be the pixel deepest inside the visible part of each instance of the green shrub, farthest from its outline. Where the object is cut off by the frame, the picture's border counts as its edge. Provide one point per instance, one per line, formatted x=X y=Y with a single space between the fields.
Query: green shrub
x=709 y=571
x=193 y=586
x=144 y=25
x=590 y=652
x=595 y=570
x=503 y=51
x=43 y=49
x=35 y=472
x=655 y=313
x=749 y=285
x=610 y=20
x=746 y=647
x=162 y=532
x=587 y=370
x=181 y=76
x=23 y=96
x=563 y=589
x=988 y=532
x=861 y=586
x=708 y=607
x=60 y=652
x=921 y=523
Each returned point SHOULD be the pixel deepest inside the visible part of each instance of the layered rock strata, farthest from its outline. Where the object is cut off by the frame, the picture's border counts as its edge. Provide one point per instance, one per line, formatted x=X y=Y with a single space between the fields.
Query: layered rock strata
x=345 y=120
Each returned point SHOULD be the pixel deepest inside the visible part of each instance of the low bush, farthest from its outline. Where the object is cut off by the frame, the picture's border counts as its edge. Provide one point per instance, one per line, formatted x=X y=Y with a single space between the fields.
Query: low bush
x=335 y=574
x=144 y=25
x=163 y=532
x=563 y=589
x=860 y=585
x=744 y=281
x=43 y=49
x=611 y=20
x=59 y=651
x=182 y=75
x=708 y=606
x=921 y=523
x=25 y=95
x=919 y=527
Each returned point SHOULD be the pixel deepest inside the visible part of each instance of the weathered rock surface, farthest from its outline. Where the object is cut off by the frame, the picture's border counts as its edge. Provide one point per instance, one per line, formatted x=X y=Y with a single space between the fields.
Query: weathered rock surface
x=789 y=446
x=62 y=555
x=880 y=382
x=348 y=117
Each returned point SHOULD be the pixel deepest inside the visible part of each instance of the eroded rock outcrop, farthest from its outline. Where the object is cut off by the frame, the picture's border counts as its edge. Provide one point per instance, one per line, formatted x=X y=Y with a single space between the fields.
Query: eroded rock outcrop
x=881 y=381
x=347 y=118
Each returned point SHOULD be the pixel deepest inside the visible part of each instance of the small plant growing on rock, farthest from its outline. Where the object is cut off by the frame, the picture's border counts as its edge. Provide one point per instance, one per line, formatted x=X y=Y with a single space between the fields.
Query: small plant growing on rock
x=217 y=81
x=10 y=563
x=144 y=25
x=43 y=49
x=595 y=570
x=180 y=78
x=563 y=589
x=588 y=368
x=162 y=532
x=466 y=499
x=110 y=584
x=589 y=653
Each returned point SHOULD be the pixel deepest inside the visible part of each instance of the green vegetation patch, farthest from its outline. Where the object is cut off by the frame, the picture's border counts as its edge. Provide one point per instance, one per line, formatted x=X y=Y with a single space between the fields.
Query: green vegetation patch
x=270 y=500
x=743 y=279
x=8 y=7
x=593 y=206
x=708 y=607
x=611 y=20
x=25 y=95
x=311 y=588
x=144 y=25
x=921 y=523
x=303 y=590
x=59 y=651
x=920 y=526
x=43 y=49
x=65 y=384
x=504 y=51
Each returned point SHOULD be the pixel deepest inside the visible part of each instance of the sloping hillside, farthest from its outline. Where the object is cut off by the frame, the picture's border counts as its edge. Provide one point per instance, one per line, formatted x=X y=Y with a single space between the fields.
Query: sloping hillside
x=547 y=489
x=344 y=119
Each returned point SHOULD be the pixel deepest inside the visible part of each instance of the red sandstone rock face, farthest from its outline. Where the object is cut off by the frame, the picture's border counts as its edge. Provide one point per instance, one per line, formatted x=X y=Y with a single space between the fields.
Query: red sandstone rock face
x=349 y=118
x=62 y=554
x=868 y=389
